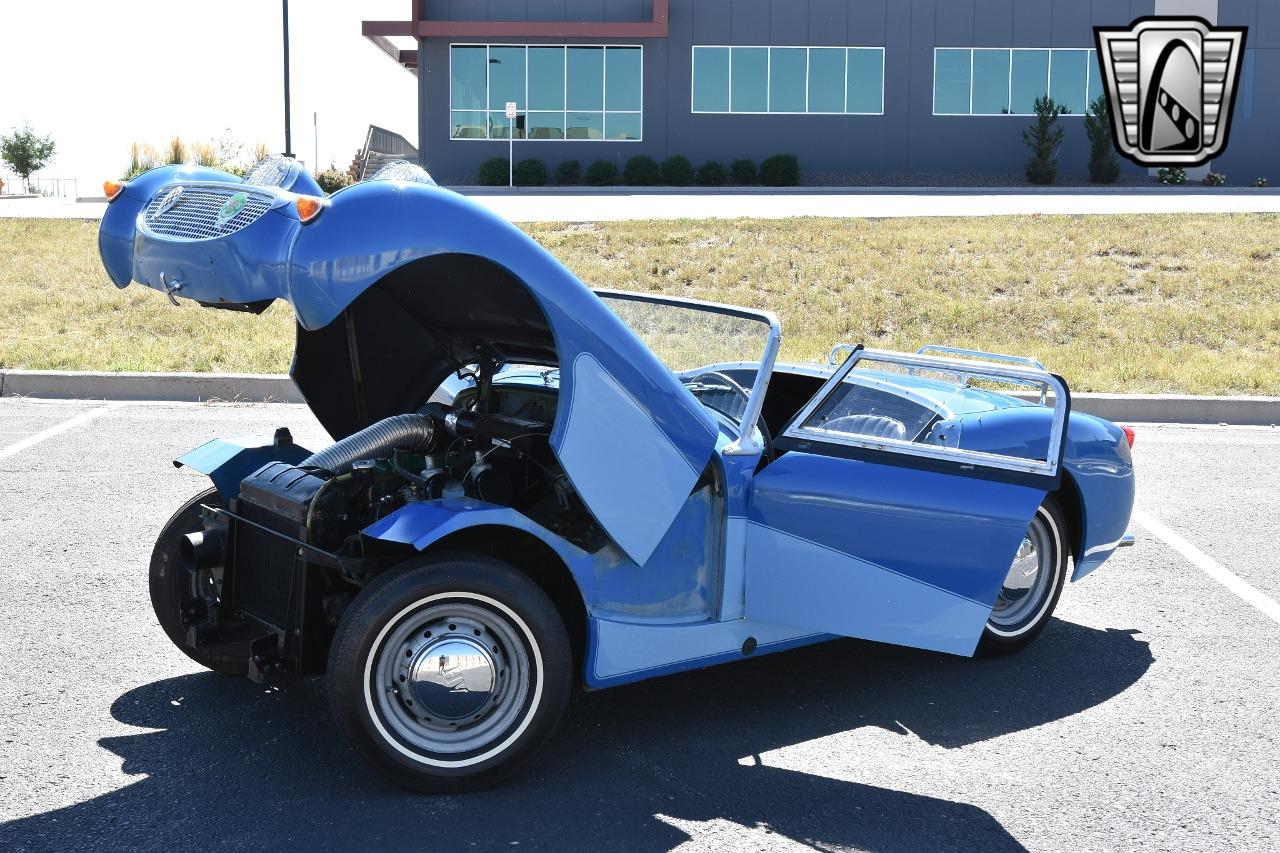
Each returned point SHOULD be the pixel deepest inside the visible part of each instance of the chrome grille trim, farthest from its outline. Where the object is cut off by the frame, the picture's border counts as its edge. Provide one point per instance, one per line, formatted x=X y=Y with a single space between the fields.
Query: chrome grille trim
x=195 y=214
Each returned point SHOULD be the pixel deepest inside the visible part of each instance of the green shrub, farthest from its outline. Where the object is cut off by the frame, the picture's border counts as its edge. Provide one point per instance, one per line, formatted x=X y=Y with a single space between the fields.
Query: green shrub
x=677 y=171
x=531 y=173
x=712 y=174
x=1260 y=183
x=1044 y=138
x=743 y=171
x=641 y=171
x=331 y=180
x=1104 y=166
x=780 y=170
x=602 y=173
x=1215 y=179
x=569 y=172
x=1175 y=175
x=493 y=172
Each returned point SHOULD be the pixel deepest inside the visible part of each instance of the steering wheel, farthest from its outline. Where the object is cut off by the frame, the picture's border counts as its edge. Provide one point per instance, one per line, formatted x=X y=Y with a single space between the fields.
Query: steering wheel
x=722 y=381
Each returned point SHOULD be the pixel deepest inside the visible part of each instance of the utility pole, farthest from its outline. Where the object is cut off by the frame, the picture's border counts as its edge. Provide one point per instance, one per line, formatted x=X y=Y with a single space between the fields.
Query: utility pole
x=315 y=136
x=288 y=132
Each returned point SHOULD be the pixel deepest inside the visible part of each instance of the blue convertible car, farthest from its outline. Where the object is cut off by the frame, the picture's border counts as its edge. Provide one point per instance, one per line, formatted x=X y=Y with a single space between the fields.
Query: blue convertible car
x=535 y=484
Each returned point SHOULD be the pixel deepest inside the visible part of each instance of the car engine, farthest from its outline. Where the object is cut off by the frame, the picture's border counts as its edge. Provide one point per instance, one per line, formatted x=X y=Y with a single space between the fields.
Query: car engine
x=289 y=550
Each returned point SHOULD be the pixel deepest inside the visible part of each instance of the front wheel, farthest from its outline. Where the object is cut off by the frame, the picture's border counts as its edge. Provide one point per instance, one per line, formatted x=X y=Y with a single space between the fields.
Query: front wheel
x=449 y=673
x=1031 y=588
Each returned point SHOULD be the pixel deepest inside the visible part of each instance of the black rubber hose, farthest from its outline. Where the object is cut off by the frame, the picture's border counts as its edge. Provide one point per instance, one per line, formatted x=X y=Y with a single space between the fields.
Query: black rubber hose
x=377 y=441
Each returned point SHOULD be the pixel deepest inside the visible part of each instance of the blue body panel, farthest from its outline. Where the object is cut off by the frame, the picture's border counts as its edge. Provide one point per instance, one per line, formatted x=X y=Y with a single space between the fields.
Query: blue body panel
x=883 y=552
x=227 y=461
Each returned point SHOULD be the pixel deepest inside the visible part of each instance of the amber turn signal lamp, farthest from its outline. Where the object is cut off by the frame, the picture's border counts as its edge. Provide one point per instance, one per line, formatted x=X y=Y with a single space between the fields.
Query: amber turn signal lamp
x=1128 y=434
x=309 y=207
x=111 y=189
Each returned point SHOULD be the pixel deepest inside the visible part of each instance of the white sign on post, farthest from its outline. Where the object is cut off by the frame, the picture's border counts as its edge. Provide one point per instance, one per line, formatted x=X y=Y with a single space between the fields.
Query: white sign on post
x=511 y=141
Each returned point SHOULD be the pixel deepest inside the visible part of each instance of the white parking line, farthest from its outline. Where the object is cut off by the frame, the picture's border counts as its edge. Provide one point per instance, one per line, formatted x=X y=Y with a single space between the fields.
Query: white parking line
x=84 y=417
x=1211 y=567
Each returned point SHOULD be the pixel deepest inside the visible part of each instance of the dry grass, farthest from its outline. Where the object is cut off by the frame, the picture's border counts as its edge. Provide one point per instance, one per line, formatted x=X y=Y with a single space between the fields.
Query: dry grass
x=1178 y=303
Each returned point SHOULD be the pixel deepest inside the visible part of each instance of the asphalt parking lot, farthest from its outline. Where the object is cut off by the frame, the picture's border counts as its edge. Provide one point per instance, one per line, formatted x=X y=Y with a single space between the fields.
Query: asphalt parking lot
x=1147 y=717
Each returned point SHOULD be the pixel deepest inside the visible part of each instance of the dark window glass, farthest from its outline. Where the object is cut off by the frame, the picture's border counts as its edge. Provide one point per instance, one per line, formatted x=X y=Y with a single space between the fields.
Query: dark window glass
x=622 y=126
x=501 y=127
x=866 y=80
x=622 y=77
x=750 y=72
x=1030 y=79
x=586 y=78
x=1095 y=77
x=506 y=77
x=826 y=79
x=546 y=78
x=711 y=79
x=467 y=77
x=787 y=69
x=468 y=125
x=951 y=81
x=1068 y=77
x=584 y=125
x=990 y=82
x=546 y=125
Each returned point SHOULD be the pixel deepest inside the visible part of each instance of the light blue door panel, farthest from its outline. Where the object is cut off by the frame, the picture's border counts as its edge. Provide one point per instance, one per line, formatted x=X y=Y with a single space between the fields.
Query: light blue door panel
x=626 y=468
x=881 y=551
x=863 y=599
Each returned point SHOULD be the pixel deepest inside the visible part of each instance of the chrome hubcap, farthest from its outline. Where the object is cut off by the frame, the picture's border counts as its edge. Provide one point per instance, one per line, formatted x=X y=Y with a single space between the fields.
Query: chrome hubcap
x=1029 y=581
x=451 y=678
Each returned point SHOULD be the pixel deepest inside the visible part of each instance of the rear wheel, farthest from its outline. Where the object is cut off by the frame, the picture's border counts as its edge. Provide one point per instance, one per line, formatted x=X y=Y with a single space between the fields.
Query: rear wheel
x=172 y=585
x=1031 y=588
x=447 y=674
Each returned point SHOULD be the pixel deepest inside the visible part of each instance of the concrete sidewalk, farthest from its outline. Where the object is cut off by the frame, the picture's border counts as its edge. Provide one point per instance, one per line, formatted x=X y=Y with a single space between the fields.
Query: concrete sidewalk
x=555 y=204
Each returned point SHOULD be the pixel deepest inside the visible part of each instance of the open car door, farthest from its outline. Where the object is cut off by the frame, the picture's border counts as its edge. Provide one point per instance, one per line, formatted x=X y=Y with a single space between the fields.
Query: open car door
x=905 y=491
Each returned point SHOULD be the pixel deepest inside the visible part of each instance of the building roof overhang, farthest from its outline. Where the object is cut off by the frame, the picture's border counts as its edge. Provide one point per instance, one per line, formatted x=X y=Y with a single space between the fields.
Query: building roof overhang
x=419 y=27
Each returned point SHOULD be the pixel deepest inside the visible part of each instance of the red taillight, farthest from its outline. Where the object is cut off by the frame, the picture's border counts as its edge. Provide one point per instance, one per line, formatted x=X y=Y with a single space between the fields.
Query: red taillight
x=1128 y=434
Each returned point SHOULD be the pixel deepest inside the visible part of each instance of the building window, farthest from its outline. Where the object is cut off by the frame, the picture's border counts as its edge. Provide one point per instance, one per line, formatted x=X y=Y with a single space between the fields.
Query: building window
x=574 y=92
x=984 y=81
x=788 y=80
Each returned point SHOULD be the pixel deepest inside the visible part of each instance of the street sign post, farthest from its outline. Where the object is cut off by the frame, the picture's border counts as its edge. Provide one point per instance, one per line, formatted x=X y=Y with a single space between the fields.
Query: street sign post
x=511 y=142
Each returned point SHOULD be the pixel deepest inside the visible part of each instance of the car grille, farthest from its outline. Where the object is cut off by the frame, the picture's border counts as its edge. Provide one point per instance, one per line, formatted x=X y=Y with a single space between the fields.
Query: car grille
x=265 y=566
x=194 y=216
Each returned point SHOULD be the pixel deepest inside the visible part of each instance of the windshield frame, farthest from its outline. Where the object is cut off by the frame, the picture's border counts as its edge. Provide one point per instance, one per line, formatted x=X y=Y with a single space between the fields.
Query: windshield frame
x=746 y=443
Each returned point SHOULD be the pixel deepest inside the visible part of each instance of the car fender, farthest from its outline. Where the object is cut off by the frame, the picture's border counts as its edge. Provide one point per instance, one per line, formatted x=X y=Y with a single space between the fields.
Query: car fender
x=119 y=222
x=227 y=461
x=421 y=524
x=1095 y=457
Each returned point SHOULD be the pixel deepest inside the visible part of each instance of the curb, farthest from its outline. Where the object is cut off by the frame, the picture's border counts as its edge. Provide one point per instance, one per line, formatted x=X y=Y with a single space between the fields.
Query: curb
x=277 y=388
x=169 y=387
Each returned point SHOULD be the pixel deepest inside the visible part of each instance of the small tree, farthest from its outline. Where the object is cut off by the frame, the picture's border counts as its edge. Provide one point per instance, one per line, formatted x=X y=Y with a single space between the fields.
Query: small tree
x=25 y=152
x=1104 y=166
x=1044 y=138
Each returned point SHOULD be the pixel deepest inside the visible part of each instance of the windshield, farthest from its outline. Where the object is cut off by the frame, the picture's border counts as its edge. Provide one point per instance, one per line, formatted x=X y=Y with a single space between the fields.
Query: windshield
x=689 y=335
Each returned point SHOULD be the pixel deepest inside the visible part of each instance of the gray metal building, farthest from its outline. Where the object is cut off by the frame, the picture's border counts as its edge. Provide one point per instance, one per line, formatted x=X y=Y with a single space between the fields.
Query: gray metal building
x=852 y=87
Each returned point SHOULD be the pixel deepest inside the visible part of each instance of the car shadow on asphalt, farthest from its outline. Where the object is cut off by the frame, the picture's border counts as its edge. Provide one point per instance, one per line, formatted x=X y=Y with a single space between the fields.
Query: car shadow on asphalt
x=231 y=764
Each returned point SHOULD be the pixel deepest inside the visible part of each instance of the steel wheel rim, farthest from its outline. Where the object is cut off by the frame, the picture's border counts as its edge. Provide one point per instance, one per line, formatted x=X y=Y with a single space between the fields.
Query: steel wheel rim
x=1029 y=582
x=451 y=678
